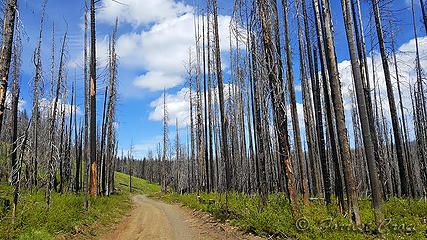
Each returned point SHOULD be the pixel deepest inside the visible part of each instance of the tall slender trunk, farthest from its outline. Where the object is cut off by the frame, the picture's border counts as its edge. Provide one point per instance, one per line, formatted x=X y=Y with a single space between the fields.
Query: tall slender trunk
x=206 y=140
x=165 y=142
x=364 y=118
x=403 y=169
x=37 y=78
x=293 y=103
x=317 y=114
x=331 y=62
x=260 y=156
x=86 y=117
x=210 y=99
x=6 y=52
x=323 y=160
x=361 y=50
x=111 y=114
x=14 y=127
x=76 y=144
x=92 y=134
x=224 y=124
x=421 y=95
x=307 y=109
x=51 y=169
x=102 y=142
x=277 y=99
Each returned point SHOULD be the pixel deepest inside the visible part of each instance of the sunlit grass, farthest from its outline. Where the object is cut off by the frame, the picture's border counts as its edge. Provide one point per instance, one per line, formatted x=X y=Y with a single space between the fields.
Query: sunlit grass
x=65 y=216
x=405 y=220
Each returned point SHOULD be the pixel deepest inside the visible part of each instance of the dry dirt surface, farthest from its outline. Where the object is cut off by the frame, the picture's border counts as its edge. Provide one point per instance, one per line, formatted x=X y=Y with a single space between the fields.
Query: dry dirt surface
x=151 y=219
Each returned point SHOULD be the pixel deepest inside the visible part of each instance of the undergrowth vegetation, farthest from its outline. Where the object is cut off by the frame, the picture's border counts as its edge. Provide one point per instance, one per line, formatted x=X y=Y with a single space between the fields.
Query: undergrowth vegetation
x=405 y=220
x=65 y=217
x=138 y=185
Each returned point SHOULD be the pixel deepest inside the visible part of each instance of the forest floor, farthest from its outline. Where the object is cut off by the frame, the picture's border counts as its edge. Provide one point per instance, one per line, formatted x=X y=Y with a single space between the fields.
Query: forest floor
x=153 y=219
x=146 y=213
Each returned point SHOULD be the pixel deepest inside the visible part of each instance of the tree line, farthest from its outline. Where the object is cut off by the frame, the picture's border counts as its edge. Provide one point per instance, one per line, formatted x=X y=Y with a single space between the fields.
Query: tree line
x=54 y=149
x=238 y=138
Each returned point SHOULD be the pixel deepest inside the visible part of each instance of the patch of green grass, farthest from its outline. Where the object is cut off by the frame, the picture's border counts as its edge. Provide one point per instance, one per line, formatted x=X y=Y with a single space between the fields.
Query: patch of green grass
x=138 y=185
x=406 y=220
x=65 y=216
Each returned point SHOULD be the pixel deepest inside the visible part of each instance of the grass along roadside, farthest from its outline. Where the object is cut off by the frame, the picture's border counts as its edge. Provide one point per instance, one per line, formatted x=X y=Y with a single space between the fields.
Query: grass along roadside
x=139 y=185
x=66 y=215
x=406 y=220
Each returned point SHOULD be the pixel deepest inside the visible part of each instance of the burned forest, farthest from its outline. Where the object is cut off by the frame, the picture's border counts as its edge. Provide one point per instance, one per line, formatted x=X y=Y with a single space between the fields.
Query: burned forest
x=299 y=119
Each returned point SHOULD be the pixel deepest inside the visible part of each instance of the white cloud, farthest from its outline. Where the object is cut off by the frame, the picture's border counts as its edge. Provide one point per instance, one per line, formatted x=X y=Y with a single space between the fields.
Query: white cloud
x=156 y=81
x=178 y=105
x=46 y=106
x=163 y=50
x=156 y=48
x=140 y=12
x=407 y=75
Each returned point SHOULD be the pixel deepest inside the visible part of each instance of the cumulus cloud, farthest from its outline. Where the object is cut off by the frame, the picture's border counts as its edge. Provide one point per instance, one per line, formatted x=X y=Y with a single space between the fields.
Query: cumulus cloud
x=407 y=75
x=140 y=12
x=156 y=81
x=163 y=50
x=46 y=106
x=158 y=45
x=178 y=105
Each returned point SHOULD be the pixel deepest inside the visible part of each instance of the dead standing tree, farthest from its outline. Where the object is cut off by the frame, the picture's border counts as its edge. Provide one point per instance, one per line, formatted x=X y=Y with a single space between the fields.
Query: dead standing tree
x=224 y=124
x=278 y=100
x=165 y=142
x=111 y=113
x=92 y=134
x=51 y=169
x=6 y=52
x=293 y=103
x=403 y=168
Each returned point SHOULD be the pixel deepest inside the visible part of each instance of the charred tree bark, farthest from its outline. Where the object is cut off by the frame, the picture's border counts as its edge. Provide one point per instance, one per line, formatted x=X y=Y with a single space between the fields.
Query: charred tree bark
x=86 y=116
x=92 y=136
x=6 y=52
x=293 y=102
x=51 y=173
x=278 y=100
x=316 y=101
x=324 y=160
x=403 y=169
x=224 y=124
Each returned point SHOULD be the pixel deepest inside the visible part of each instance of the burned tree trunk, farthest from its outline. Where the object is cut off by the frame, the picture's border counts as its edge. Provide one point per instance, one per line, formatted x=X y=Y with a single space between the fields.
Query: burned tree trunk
x=278 y=100
x=6 y=52
x=51 y=173
x=403 y=168
x=92 y=136
x=293 y=103
x=224 y=124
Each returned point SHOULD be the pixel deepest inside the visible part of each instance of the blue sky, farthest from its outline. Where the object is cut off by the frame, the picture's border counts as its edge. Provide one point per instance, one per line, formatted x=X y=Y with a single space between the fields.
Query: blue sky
x=153 y=41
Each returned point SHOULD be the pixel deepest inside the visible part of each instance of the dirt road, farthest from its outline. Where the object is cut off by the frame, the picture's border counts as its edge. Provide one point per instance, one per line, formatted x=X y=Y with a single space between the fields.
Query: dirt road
x=151 y=219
